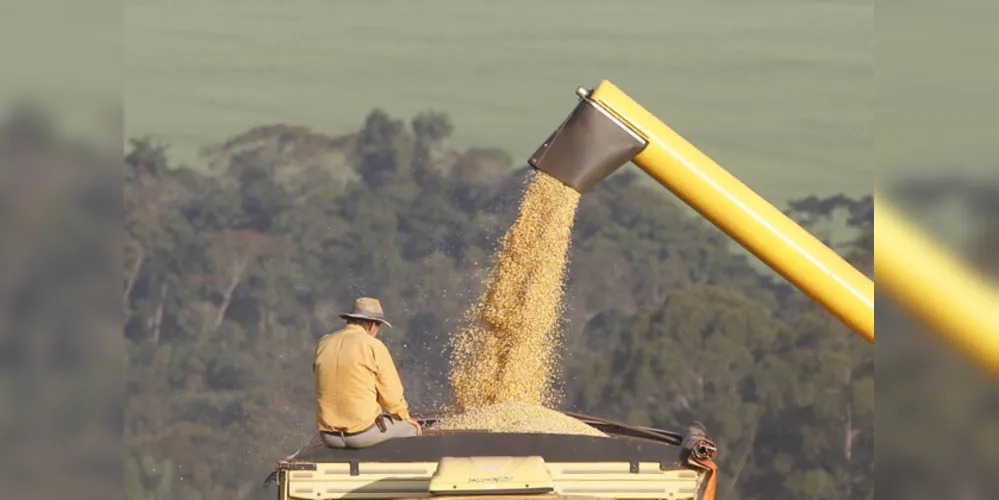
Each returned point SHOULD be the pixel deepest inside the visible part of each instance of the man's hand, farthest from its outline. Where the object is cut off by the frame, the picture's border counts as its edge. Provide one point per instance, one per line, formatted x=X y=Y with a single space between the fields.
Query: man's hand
x=419 y=428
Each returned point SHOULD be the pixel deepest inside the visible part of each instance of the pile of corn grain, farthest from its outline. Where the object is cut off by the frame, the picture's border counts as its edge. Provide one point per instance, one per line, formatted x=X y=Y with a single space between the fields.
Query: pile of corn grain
x=517 y=417
x=507 y=351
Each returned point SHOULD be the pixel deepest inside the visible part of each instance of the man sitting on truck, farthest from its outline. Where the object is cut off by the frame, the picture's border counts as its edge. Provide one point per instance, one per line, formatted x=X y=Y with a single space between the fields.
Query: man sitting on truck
x=355 y=380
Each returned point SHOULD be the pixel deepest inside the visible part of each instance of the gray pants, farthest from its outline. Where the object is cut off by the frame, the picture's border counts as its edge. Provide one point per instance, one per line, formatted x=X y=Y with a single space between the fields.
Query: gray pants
x=374 y=435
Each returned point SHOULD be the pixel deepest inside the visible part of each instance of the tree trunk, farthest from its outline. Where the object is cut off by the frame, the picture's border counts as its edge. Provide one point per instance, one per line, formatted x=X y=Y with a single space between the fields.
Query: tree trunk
x=267 y=341
x=849 y=434
x=226 y=300
x=261 y=325
x=134 y=274
x=158 y=316
x=750 y=443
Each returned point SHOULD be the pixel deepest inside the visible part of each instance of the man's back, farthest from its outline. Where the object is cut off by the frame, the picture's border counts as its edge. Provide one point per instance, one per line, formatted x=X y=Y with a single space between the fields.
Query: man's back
x=355 y=378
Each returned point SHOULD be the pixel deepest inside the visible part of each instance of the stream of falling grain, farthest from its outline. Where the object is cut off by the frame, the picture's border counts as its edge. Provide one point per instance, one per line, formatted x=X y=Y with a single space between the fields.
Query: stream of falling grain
x=507 y=352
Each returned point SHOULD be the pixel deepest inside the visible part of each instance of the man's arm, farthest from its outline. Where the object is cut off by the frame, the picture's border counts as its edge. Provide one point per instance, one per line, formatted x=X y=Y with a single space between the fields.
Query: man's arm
x=389 y=385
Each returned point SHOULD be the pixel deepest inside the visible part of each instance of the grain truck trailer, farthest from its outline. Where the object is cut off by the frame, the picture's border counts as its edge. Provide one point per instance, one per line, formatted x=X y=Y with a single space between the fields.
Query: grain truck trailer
x=630 y=463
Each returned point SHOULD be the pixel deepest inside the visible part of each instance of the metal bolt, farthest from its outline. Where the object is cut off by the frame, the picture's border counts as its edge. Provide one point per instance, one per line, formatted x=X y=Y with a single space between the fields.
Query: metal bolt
x=582 y=93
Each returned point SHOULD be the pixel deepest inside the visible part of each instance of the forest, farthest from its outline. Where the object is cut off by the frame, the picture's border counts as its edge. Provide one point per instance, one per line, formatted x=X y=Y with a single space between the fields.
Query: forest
x=231 y=273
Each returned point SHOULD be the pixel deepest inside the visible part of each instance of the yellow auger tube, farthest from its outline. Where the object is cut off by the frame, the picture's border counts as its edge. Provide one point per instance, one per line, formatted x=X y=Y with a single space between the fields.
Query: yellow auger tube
x=745 y=216
x=949 y=298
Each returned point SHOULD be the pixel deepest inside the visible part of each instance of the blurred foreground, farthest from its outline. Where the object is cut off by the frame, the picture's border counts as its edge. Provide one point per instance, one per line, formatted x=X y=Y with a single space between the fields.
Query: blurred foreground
x=937 y=110
x=60 y=312
x=941 y=404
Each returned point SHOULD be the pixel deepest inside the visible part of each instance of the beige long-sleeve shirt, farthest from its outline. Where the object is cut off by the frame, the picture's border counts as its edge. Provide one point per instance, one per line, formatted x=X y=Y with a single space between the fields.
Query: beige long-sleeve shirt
x=355 y=379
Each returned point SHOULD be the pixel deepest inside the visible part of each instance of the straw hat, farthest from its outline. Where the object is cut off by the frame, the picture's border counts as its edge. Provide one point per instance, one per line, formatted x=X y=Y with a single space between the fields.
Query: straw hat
x=367 y=308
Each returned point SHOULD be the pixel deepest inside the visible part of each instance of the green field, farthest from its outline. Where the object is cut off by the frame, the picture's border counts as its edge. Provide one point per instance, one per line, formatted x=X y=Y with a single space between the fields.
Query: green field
x=779 y=92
